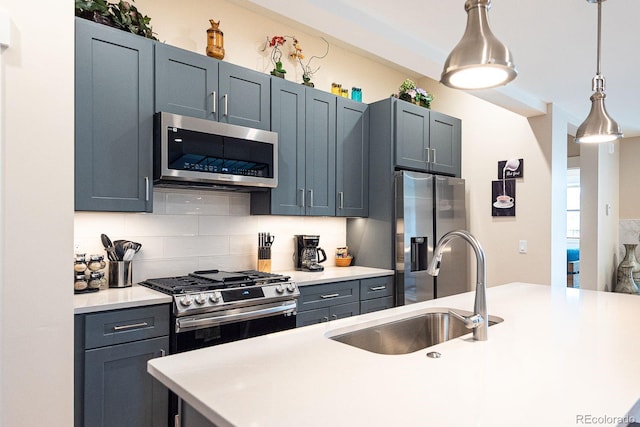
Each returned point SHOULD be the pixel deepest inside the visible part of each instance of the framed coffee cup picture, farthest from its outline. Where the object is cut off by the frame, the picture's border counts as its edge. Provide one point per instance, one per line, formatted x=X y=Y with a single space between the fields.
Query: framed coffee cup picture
x=503 y=197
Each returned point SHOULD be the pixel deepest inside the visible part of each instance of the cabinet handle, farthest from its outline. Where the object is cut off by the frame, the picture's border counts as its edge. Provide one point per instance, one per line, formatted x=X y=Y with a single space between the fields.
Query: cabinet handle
x=341 y=194
x=310 y=198
x=214 y=96
x=162 y=352
x=226 y=104
x=303 y=194
x=325 y=319
x=329 y=296
x=428 y=155
x=176 y=421
x=434 y=155
x=132 y=326
x=146 y=188
x=378 y=288
x=335 y=316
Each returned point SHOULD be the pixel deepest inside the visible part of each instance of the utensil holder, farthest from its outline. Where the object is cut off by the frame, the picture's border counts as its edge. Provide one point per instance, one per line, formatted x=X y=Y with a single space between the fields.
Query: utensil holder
x=120 y=273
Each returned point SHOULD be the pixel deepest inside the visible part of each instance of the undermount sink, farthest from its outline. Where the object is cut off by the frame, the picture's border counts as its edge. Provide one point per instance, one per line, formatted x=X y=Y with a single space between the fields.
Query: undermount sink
x=411 y=334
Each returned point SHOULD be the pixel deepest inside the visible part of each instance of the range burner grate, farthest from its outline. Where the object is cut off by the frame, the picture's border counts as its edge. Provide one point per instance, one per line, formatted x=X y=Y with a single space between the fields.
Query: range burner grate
x=208 y=280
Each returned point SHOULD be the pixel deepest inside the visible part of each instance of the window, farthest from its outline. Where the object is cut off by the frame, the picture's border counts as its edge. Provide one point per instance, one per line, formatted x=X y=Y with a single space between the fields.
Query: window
x=573 y=203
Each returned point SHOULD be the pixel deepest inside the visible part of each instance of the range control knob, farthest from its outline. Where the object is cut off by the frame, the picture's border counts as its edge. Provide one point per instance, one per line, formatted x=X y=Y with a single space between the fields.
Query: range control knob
x=279 y=289
x=186 y=301
x=215 y=297
x=201 y=299
x=291 y=287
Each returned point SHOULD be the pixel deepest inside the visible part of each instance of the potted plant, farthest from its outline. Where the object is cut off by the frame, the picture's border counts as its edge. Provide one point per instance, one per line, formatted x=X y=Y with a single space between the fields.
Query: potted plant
x=409 y=92
x=276 y=55
x=122 y=15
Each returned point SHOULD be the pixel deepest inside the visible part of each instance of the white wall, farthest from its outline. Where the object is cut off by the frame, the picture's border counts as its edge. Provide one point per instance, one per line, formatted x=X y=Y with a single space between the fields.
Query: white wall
x=36 y=191
x=629 y=177
x=599 y=215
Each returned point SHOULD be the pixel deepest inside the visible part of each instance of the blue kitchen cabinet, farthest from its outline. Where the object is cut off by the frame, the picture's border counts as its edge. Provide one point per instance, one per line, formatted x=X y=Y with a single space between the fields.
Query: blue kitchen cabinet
x=352 y=158
x=328 y=301
x=424 y=140
x=305 y=120
x=198 y=86
x=111 y=385
x=320 y=152
x=376 y=294
x=113 y=119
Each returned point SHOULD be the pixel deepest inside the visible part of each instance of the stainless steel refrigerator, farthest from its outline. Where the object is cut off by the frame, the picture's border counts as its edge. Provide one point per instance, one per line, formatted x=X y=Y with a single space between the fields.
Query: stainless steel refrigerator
x=412 y=216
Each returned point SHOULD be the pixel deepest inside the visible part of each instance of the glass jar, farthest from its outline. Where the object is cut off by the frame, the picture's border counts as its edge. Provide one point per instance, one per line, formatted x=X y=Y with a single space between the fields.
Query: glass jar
x=356 y=94
x=95 y=279
x=80 y=283
x=344 y=93
x=96 y=262
x=336 y=88
x=80 y=263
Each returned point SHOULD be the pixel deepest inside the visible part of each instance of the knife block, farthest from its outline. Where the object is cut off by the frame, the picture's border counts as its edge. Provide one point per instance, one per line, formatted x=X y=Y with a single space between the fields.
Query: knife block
x=264 y=265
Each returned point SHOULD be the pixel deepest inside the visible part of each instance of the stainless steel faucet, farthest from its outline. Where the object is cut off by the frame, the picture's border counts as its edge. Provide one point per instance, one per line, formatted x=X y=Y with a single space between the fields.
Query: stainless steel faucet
x=479 y=322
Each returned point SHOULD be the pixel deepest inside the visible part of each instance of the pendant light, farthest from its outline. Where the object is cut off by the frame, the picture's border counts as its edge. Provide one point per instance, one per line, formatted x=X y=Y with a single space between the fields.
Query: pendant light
x=598 y=126
x=479 y=60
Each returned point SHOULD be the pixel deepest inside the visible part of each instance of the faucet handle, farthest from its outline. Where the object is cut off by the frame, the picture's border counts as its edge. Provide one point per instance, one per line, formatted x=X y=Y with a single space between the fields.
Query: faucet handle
x=470 y=322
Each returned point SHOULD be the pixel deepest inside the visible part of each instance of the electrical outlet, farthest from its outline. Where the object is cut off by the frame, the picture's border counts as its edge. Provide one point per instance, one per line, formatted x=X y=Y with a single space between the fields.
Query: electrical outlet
x=522 y=247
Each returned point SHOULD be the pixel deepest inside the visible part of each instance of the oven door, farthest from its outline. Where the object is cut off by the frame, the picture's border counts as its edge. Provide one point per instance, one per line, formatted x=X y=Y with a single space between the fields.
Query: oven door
x=219 y=327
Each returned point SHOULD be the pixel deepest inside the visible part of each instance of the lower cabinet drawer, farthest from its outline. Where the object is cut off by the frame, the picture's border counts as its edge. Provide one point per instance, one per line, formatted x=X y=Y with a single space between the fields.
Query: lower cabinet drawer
x=376 y=287
x=326 y=295
x=120 y=326
x=375 y=304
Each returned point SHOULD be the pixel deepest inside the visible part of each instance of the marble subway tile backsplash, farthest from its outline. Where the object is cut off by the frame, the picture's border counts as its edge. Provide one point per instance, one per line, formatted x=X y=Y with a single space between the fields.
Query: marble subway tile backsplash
x=192 y=230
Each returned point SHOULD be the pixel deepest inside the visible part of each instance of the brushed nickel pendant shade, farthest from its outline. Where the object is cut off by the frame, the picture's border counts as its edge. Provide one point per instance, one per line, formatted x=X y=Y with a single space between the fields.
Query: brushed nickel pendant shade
x=479 y=60
x=598 y=126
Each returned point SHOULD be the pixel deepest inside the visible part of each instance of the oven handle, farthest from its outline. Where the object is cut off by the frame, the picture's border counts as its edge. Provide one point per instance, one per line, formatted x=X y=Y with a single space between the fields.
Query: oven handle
x=213 y=320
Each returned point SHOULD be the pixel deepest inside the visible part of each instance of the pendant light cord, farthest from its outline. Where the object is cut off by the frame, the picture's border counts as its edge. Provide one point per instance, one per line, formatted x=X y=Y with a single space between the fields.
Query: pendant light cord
x=598 y=84
x=599 y=32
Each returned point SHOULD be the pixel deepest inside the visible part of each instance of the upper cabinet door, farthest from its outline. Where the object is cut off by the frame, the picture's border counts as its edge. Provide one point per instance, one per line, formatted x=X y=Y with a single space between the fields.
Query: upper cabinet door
x=445 y=143
x=352 y=158
x=113 y=119
x=412 y=136
x=186 y=83
x=287 y=119
x=244 y=97
x=320 y=153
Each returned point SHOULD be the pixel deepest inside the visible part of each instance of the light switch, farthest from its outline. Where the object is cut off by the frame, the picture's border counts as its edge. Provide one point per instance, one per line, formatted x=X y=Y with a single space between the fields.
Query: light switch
x=522 y=247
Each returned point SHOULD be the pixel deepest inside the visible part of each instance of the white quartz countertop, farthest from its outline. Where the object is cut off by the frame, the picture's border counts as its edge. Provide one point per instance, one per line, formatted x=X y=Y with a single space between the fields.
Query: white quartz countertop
x=116 y=298
x=559 y=355
x=334 y=274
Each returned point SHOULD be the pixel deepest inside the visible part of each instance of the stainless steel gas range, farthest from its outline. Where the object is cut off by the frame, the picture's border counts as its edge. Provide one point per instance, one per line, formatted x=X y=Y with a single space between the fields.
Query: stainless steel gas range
x=213 y=307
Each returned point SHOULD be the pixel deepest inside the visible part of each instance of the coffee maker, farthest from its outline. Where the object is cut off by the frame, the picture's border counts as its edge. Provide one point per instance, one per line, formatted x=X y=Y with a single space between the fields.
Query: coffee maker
x=307 y=255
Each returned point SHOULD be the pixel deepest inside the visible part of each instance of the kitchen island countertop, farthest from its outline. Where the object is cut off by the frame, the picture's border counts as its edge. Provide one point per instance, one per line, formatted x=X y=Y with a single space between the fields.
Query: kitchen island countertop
x=561 y=357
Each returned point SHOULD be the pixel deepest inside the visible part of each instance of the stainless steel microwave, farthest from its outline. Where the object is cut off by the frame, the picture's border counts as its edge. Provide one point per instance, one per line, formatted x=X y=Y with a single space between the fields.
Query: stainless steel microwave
x=204 y=153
